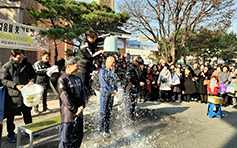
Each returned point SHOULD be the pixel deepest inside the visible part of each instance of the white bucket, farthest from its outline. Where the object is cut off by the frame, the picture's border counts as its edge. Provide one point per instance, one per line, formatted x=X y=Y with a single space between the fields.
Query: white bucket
x=32 y=94
x=110 y=45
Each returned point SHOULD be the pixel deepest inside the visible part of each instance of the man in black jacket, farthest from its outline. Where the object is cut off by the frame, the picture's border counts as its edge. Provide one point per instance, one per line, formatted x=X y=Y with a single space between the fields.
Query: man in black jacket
x=16 y=73
x=135 y=79
x=86 y=55
x=41 y=67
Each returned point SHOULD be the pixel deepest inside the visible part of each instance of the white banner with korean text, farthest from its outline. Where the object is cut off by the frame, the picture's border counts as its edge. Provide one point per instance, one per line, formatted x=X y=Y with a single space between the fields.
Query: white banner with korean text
x=17 y=35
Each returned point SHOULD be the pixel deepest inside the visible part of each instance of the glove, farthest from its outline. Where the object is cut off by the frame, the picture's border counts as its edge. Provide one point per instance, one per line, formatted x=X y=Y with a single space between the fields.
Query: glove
x=183 y=92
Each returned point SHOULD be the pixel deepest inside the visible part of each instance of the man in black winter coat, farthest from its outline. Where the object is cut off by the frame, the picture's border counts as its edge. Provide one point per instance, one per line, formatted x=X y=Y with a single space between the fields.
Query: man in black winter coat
x=16 y=73
x=41 y=67
x=135 y=79
x=86 y=54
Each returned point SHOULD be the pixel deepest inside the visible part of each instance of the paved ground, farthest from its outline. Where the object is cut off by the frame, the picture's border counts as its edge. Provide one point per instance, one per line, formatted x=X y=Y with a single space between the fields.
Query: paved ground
x=158 y=124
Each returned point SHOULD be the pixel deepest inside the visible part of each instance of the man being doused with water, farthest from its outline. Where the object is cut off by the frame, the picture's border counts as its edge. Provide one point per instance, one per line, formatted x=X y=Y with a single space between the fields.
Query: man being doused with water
x=72 y=103
x=135 y=79
x=108 y=89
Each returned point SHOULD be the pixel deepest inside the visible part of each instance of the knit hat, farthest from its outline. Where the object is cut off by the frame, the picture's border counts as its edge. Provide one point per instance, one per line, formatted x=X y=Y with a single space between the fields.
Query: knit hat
x=214 y=76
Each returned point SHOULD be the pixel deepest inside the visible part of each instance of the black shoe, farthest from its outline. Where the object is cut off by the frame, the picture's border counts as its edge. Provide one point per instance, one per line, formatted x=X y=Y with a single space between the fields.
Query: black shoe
x=11 y=138
x=46 y=110
x=224 y=105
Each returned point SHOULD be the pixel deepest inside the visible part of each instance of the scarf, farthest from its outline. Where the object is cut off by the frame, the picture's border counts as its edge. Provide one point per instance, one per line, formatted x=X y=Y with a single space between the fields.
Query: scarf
x=186 y=72
x=213 y=85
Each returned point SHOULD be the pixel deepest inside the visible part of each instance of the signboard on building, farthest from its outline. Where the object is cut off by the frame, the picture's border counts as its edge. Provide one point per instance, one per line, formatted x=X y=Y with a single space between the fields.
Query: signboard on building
x=17 y=35
x=120 y=43
x=133 y=44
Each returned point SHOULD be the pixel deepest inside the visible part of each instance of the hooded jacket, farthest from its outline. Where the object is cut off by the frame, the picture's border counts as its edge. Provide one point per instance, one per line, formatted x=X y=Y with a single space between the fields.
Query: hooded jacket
x=13 y=74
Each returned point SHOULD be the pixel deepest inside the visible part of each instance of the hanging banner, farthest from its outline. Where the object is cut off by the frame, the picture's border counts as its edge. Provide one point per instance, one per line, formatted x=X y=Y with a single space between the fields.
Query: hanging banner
x=17 y=35
x=133 y=44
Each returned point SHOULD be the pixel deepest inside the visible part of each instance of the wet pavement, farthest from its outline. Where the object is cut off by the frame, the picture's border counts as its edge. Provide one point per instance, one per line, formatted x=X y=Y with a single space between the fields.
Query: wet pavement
x=161 y=125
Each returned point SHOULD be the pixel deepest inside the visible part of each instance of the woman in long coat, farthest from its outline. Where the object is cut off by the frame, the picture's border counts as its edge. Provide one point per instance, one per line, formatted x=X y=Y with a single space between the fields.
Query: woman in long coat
x=154 y=87
x=188 y=83
x=202 y=88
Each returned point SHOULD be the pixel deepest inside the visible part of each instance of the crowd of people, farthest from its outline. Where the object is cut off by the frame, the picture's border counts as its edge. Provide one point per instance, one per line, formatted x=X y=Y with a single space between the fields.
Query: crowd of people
x=178 y=82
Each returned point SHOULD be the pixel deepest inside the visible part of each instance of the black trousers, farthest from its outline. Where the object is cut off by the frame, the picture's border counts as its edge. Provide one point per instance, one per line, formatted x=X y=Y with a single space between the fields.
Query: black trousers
x=130 y=103
x=26 y=111
x=71 y=133
x=44 y=100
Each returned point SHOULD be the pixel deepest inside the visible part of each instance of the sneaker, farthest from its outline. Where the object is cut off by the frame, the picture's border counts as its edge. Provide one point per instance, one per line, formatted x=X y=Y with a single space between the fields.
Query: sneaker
x=11 y=138
x=46 y=110
x=36 y=111
x=104 y=134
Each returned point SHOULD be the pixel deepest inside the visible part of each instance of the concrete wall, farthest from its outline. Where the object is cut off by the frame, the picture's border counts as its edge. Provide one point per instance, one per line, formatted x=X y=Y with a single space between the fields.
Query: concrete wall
x=4 y=56
x=11 y=11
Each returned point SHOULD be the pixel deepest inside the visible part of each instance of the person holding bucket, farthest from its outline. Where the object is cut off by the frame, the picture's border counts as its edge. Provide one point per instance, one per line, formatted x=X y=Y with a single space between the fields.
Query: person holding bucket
x=16 y=73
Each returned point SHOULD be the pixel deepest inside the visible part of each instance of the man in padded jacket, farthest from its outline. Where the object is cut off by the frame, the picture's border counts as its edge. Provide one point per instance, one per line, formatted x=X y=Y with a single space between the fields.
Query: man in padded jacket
x=16 y=73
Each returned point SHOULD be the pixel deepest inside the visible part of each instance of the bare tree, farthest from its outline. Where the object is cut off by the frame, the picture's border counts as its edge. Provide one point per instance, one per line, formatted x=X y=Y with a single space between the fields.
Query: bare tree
x=169 y=23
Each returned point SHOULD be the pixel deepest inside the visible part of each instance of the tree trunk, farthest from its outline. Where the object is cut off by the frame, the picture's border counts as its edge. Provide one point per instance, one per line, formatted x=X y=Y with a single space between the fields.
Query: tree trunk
x=185 y=62
x=56 y=51
x=172 y=54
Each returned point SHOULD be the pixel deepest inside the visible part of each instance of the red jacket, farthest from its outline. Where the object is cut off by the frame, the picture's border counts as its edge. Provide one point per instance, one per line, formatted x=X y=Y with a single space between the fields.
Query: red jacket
x=148 y=85
x=215 y=91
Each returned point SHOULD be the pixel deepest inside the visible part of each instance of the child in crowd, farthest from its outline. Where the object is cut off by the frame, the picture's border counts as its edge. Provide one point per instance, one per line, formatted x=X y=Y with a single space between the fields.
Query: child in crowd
x=213 y=86
x=177 y=85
